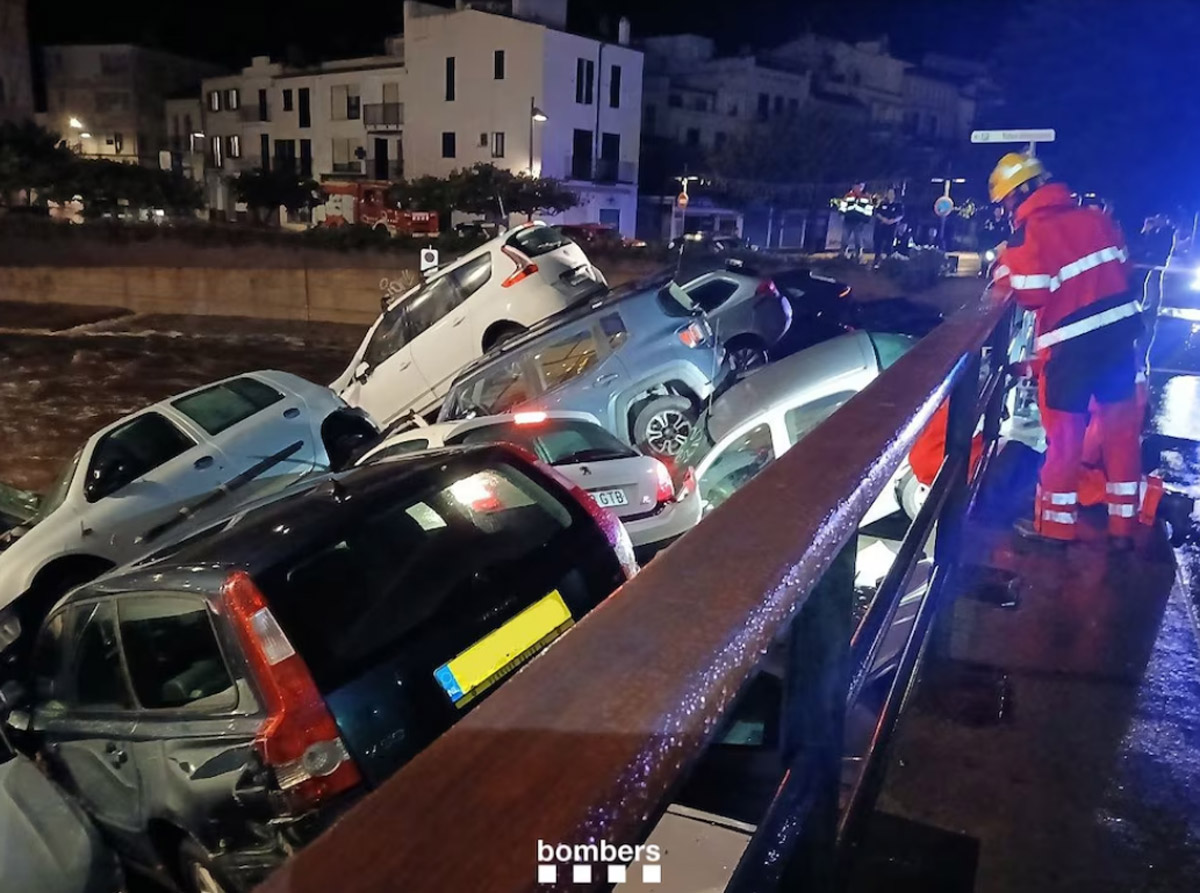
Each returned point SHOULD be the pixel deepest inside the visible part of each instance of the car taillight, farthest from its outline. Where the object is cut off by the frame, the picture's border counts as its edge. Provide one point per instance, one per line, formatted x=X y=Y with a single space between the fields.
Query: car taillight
x=529 y=418
x=766 y=288
x=299 y=741
x=666 y=487
x=694 y=334
x=614 y=531
x=525 y=267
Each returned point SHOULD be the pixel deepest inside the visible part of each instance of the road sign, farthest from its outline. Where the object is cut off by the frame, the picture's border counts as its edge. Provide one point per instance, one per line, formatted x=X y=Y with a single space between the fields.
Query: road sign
x=682 y=200
x=429 y=259
x=1012 y=136
x=944 y=206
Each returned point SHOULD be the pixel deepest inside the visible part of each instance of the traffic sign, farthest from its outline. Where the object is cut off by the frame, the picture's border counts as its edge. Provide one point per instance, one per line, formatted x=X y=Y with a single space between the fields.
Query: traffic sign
x=1012 y=136
x=944 y=206
x=682 y=200
x=429 y=260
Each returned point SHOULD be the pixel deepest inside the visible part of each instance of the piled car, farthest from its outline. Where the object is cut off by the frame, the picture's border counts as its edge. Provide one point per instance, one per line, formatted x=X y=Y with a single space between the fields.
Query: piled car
x=242 y=608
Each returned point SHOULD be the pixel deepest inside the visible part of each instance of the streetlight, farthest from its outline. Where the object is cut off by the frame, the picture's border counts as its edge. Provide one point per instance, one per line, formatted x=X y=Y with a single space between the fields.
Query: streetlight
x=74 y=123
x=535 y=115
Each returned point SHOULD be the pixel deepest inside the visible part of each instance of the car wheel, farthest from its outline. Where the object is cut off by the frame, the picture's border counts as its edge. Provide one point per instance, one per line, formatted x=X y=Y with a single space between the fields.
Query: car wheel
x=197 y=871
x=746 y=355
x=663 y=425
x=911 y=493
x=500 y=334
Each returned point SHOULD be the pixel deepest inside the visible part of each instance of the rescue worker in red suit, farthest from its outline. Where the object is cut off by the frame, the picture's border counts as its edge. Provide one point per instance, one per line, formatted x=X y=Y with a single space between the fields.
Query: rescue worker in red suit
x=1070 y=266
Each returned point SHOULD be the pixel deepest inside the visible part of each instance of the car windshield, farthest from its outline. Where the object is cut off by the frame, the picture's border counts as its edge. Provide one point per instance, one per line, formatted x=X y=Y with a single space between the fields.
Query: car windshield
x=57 y=494
x=556 y=441
x=534 y=241
x=500 y=388
x=698 y=445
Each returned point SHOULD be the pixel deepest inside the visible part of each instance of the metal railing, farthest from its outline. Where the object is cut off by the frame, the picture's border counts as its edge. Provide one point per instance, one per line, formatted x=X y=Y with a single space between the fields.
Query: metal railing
x=609 y=170
x=394 y=170
x=589 y=742
x=382 y=115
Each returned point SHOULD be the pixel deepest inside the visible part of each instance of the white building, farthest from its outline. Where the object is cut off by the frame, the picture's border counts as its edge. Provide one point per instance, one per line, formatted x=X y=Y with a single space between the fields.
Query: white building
x=107 y=100
x=496 y=82
x=699 y=100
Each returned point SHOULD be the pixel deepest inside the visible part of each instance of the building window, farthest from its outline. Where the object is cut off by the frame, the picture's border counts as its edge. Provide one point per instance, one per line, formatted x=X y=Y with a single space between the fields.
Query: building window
x=498 y=65
x=585 y=81
x=214 y=100
x=483 y=139
x=287 y=100
x=304 y=112
x=216 y=151
x=234 y=146
x=498 y=144
x=614 y=88
x=233 y=99
x=733 y=109
x=285 y=155
x=675 y=101
x=264 y=148
x=449 y=150
x=764 y=105
x=262 y=106
x=450 y=65
x=779 y=105
x=693 y=136
x=345 y=156
x=306 y=158
x=118 y=142
x=345 y=103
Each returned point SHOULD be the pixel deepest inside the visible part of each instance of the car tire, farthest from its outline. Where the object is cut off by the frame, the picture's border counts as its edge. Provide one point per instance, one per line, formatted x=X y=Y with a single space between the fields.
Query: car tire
x=746 y=354
x=662 y=425
x=501 y=333
x=197 y=872
x=911 y=494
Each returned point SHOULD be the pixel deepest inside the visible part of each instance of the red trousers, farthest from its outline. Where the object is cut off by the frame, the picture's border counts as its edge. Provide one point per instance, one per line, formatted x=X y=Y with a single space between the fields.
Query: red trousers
x=1118 y=428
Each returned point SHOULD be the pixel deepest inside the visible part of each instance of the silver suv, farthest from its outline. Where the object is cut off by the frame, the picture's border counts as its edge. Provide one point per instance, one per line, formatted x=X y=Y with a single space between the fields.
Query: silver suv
x=637 y=359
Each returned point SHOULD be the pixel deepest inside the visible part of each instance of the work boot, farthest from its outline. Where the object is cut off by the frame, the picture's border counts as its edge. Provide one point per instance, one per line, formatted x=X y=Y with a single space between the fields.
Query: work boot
x=1025 y=530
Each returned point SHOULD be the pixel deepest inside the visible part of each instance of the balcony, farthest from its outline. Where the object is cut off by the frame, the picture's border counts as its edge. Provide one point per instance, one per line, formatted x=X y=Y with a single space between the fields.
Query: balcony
x=348 y=167
x=379 y=169
x=600 y=170
x=383 y=115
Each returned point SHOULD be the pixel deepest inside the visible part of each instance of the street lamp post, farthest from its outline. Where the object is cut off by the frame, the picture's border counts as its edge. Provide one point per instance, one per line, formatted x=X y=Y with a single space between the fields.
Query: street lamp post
x=946 y=182
x=538 y=116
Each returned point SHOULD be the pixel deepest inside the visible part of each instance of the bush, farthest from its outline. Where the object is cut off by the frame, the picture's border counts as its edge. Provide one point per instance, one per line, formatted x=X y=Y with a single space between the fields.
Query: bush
x=919 y=271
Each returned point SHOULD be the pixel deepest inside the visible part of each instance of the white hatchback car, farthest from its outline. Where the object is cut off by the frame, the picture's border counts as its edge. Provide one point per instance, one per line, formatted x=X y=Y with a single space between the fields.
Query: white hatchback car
x=636 y=488
x=184 y=459
x=426 y=336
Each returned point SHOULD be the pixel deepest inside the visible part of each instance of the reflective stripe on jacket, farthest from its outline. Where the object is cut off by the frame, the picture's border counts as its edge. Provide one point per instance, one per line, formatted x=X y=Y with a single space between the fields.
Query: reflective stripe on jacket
x=1069 y=264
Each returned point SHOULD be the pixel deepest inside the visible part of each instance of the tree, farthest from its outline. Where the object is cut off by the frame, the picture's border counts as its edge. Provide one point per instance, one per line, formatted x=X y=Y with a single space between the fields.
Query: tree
x=484 y=189
x=1117 y=81
x=31 y=159
x=264 y=192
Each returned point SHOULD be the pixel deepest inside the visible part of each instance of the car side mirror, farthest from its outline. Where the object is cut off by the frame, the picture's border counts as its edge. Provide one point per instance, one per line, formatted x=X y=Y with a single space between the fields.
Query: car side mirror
x=362 y=371
x=106 y=477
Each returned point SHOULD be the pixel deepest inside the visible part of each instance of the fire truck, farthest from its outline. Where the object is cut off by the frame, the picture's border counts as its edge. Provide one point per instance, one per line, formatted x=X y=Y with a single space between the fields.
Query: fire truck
x=365 y=202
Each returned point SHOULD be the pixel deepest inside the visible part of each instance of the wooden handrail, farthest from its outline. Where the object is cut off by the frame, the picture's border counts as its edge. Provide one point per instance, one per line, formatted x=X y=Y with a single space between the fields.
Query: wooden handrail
x=586 y=742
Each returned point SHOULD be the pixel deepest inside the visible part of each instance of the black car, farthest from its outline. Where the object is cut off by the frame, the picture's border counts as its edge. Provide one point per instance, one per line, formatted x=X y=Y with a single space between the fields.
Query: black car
x=822 y=308
x=216 y=705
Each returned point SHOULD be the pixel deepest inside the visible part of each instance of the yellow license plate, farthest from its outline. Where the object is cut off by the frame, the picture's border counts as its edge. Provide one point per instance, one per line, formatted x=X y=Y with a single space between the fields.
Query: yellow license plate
x=471 y=673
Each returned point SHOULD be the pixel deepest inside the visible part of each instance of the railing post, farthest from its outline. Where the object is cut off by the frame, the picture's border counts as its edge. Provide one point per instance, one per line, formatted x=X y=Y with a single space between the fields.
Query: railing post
x=960 y=430
x=998 y=355
x=818 y=676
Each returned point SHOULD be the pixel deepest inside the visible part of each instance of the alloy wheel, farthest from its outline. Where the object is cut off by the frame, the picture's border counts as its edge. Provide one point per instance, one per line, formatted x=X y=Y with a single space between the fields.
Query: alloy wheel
x=667 y=431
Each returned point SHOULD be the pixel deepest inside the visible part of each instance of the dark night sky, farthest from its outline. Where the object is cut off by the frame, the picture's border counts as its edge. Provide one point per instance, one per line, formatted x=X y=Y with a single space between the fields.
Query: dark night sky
x=230 y=31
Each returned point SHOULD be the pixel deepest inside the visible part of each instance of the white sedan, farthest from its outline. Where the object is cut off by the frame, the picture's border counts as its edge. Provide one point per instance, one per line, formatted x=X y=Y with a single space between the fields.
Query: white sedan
x=637 y=488
x=141 y=478
x=425 y=337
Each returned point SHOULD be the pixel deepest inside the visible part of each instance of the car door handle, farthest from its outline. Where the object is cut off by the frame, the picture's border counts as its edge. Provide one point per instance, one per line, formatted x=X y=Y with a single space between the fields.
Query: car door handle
x=116 y=755
x=459 y=321
x=202 y=463
x=404 y=365
x=607 y=378
x=291 y=413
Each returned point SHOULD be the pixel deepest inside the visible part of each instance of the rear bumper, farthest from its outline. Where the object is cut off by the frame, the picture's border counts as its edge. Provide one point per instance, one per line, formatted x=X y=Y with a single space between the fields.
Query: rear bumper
x=672 y=521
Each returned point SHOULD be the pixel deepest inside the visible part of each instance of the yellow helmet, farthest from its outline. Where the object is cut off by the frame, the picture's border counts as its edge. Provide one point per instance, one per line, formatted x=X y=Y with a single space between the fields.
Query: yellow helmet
x=1013 y=170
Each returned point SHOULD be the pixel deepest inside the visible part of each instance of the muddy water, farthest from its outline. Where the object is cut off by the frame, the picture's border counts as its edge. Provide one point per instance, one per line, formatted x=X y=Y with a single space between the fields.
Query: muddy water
x=58 y=387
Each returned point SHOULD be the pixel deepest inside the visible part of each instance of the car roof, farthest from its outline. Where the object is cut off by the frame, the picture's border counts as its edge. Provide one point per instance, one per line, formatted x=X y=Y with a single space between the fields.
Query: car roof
x=442 y=430
x=259 y=536
x=781 y=380
x=565 y=318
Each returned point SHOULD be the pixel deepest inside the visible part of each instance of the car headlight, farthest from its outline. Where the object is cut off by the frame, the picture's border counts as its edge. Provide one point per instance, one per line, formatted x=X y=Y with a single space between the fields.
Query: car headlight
x=989 y=255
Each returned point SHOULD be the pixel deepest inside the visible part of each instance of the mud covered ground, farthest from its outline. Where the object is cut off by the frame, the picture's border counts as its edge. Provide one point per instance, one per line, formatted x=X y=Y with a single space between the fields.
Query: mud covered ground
x=66 y=371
